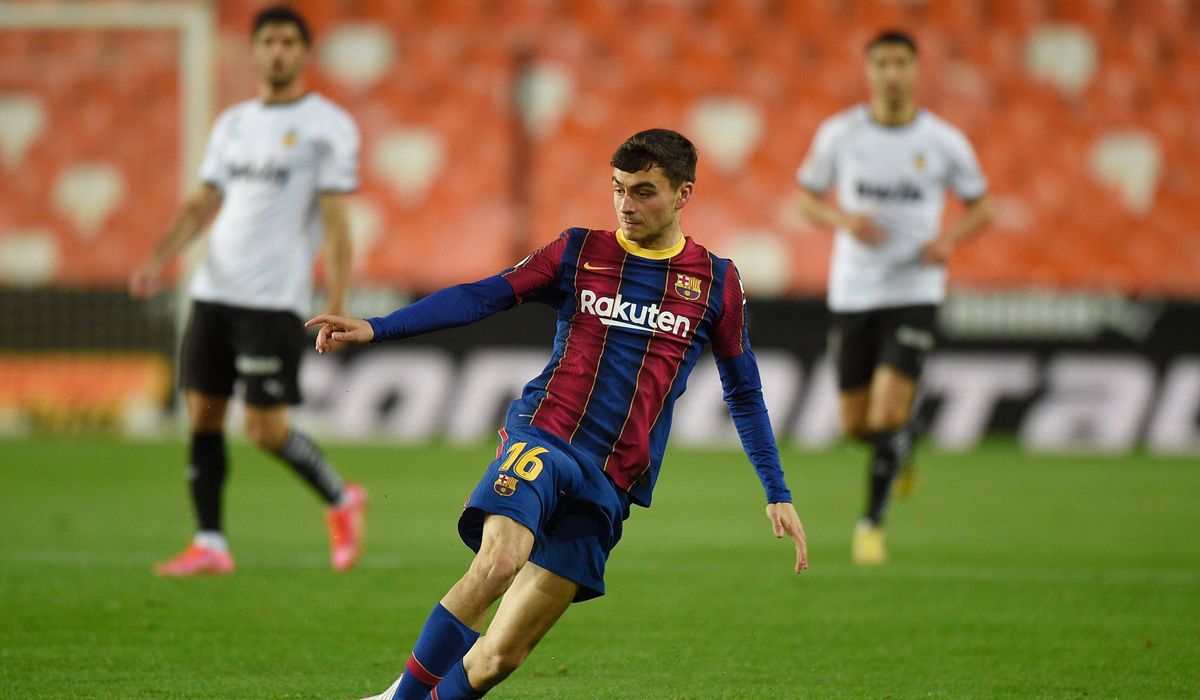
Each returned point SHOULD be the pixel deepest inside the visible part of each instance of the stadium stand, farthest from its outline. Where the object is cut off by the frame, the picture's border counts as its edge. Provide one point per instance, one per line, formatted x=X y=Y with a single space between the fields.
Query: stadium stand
x=1077 y=108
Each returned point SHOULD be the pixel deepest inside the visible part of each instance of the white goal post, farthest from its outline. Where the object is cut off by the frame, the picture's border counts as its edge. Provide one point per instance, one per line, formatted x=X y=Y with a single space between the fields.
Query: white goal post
x=193 y=21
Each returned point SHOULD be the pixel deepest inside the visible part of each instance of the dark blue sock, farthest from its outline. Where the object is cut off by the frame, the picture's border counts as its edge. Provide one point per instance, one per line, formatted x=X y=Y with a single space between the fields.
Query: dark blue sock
x=455 y=686
x=442 y=643
x=890 y=445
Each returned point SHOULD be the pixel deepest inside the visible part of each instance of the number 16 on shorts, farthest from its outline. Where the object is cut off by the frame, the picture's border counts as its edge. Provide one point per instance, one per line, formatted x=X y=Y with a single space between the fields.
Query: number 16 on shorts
x=526 y=464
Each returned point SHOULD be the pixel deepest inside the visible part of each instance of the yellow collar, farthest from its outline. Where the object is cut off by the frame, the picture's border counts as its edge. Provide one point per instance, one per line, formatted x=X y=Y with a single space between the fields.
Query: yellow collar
x=635 y=249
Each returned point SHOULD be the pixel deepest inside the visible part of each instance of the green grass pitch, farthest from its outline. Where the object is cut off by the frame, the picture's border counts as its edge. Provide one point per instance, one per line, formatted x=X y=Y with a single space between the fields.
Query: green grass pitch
x=1011 y=576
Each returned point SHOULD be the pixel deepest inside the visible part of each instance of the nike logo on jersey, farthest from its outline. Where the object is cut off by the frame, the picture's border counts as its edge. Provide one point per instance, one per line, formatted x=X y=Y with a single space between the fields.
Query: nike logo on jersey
x=616 y=311
x=590 y=266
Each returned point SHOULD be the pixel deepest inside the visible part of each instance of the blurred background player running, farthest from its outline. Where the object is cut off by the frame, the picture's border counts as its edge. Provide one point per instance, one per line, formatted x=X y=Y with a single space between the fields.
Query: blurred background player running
x=889 y=162
x=277 y=168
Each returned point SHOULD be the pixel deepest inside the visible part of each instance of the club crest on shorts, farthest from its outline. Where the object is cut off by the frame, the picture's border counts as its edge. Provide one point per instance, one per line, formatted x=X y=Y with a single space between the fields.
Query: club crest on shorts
x=687 y=287
x=505 y=485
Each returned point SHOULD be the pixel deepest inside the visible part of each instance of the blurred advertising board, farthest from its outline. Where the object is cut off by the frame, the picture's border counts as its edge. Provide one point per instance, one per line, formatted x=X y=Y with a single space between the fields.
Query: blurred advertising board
x=1081 y=373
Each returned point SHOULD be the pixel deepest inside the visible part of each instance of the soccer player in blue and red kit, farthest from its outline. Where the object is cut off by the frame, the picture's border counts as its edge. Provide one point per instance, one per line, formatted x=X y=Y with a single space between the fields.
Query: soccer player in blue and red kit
x=586 y=438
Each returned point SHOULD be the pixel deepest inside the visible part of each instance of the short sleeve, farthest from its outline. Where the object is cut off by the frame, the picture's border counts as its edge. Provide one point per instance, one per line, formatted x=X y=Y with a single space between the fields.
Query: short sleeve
x=965 y=176
x=213 y=168
x=730 y=333
x=538 y=270
x=337 y=166
x=819 y=168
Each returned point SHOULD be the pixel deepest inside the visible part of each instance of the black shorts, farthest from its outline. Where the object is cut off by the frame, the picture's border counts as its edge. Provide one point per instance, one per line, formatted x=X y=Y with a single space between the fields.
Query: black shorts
x=899 y=337
x=261 y=347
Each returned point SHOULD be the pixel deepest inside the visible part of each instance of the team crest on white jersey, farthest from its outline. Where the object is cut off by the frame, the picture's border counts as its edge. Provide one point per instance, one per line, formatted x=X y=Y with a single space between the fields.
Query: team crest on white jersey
x=919 y=162
x=289 y=139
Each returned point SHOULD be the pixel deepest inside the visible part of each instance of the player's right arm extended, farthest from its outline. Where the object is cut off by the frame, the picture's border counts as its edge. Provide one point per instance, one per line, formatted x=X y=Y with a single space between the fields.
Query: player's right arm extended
x=188 y=225
x=446 y=308
x=815 y=209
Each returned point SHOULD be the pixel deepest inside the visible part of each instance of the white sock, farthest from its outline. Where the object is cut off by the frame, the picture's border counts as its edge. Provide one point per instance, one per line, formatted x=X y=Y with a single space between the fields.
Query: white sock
x=211 y=539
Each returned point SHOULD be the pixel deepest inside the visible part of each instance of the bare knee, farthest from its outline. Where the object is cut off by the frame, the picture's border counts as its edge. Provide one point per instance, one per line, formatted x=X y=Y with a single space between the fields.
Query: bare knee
x=206 y=414
x=854 y=414
x=858 y=430
x=493 y=570
x=855 y=424
x=266 y=431
x=887 y=417
x=494 y=662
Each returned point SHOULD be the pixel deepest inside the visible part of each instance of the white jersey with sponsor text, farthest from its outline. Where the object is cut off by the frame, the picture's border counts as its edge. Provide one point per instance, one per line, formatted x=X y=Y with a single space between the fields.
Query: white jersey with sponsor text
x=270 y=162
x=898 y=176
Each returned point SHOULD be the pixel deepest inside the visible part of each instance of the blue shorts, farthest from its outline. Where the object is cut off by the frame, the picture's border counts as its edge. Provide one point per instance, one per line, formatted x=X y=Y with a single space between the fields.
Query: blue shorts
x=574 y=511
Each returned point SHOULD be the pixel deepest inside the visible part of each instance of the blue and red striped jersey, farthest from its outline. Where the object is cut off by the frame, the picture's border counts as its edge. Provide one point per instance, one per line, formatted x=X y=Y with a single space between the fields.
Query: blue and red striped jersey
x=631 y=326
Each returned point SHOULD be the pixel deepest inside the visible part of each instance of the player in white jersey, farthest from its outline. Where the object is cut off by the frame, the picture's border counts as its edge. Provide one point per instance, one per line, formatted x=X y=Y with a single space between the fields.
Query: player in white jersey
x=277 y=169
x=890 y=163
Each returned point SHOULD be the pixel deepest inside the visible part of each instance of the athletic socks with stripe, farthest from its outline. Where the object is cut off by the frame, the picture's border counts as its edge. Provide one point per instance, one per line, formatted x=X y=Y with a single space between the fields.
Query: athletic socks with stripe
x=305 y=457
x=443 y=641
x=455 y=686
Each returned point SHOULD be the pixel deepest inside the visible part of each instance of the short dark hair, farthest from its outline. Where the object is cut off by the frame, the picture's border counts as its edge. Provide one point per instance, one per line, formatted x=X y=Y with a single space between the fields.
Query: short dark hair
x=670 y=150
x=893 y=36
x=282 y=14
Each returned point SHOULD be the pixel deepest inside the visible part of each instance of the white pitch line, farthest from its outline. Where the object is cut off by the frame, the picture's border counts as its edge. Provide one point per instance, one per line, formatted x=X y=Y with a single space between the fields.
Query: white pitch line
x=838 y=570
x=65 y=557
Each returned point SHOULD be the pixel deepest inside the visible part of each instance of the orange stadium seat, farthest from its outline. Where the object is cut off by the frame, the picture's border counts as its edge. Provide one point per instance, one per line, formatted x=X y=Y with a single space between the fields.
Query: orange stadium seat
x=113 y=97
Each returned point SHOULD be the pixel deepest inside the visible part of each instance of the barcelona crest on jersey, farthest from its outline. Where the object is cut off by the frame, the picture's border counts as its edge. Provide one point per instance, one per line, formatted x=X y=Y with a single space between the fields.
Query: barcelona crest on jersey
x=505 y=485
x=687 y=287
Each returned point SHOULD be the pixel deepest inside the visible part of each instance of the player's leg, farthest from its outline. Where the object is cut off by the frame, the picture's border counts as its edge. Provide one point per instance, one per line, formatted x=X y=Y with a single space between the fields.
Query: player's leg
x=854 y=352
x=887 y=401
x=207 y=373
x=270 y=429
x=208 y=458
x=852 y=404
x=208 y=552
x=854 y=346
x=534 y=602
x=906 y=337
x=891 y=397
x=456 y=621
x=269 y=346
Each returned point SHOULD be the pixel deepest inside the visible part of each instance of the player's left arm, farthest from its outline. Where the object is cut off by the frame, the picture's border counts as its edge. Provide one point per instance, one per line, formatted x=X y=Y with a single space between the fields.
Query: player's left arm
x=966 y=178
x=743 y=395
x=337 y=178
x=977 y=213
x=336 y=223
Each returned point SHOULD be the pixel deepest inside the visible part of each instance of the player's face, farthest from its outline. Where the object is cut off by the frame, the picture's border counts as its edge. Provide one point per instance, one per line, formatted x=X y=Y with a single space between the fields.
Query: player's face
x=279 y=51
x=647 y=205
x=892 y=72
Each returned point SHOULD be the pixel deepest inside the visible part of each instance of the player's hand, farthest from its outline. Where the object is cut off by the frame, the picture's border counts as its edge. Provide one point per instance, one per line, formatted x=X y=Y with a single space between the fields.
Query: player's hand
x=937 y=251
x=784 y=521
x=338 y=330
x=864 y=229
x=146 y=280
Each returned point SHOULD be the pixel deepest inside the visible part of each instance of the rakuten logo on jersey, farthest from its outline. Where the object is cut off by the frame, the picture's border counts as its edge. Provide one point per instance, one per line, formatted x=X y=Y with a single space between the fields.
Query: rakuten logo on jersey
x=629 y=314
